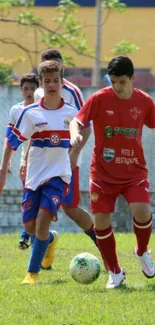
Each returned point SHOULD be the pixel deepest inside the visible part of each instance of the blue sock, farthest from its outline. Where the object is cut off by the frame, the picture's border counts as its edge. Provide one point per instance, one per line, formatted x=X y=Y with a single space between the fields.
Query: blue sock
x=91 y=234
x=25 y=235
x=37 y=254
x=32 y=239
x=51 y=237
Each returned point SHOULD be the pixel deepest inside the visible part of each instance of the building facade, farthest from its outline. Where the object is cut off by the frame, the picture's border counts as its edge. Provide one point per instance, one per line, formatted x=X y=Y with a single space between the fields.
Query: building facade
x=137 y=25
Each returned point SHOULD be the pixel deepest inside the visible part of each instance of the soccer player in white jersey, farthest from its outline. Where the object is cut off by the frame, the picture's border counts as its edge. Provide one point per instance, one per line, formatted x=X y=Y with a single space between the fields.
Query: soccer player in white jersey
x=28 y=84
x=49 y=167
x=73 y=95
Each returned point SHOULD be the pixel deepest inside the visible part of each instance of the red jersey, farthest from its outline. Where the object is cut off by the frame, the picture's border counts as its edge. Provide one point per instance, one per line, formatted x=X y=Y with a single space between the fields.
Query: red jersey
x=118 y=156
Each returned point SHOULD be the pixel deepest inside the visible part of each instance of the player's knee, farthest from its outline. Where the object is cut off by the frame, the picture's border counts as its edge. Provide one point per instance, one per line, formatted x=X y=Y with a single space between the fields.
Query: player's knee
x=30 y=227
x=141 y=211
x=72 y=213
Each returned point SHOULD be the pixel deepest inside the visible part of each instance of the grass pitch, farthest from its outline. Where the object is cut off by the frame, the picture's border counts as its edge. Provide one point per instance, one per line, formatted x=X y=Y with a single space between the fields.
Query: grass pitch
x=58 y=300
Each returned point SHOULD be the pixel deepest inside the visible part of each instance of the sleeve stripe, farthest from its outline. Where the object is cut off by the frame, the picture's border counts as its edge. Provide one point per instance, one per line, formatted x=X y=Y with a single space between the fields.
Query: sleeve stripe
x=76 y=90
x=79 y=121
x=18 y=135
x=24 y=111
x=11 y=147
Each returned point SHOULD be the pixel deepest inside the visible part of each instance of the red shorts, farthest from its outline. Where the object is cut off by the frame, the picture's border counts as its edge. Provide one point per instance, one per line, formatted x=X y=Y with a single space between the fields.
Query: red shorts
x=103 y=198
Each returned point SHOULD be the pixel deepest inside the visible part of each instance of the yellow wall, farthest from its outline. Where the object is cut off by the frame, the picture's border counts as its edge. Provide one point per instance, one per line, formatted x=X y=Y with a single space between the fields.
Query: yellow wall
x=137 y=26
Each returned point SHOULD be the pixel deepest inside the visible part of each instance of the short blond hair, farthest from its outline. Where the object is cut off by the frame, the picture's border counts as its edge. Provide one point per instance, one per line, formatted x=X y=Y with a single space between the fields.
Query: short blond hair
x=50 y=66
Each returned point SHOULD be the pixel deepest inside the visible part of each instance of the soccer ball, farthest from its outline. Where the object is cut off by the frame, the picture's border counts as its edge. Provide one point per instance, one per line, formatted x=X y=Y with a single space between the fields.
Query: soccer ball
x=85 y=268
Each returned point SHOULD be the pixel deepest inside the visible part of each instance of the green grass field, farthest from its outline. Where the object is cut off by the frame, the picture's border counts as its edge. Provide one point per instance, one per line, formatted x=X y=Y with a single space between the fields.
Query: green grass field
x=58 y=300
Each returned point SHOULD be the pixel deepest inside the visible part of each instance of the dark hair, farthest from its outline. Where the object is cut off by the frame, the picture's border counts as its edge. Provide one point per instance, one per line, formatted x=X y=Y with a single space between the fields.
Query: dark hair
x=29 y=77
x=51 y=54
x=121 y=65
x=50 y=66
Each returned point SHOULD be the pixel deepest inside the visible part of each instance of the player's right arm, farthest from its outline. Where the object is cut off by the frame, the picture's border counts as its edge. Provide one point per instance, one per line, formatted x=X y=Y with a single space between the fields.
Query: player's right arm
x=11 y=124
x=21 y=132
x=7 y=152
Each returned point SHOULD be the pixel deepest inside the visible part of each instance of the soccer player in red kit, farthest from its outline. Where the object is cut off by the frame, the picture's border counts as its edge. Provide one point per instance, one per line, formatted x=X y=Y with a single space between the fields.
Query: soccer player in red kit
x=118 y=165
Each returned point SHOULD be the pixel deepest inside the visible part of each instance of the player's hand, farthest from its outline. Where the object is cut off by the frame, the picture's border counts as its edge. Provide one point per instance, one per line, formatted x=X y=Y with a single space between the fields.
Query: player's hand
x=22 y=171
x=2 y=180
x=76 y=141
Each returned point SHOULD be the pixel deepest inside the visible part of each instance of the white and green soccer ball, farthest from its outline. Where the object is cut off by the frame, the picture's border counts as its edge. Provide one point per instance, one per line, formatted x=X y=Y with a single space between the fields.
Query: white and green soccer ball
x=85 y=268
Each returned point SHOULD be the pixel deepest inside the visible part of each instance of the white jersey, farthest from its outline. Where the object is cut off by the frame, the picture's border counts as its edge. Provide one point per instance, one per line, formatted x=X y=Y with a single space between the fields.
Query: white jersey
x=14 y=114
x=49 y=131
x=70 y=93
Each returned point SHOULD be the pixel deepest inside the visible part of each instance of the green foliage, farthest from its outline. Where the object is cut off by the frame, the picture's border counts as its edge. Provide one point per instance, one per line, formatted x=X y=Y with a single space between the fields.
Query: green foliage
x=124 y=47
x=10 y=3
x=68 y=32
x=27 y=18
x=59 y=300
x=5 y=73
x=70 y=29
x=114 y=4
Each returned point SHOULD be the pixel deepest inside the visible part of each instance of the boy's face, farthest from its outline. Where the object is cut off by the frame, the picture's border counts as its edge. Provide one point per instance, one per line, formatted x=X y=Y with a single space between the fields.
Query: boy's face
x=51 y=83
x=27 y=91
x=122 y=86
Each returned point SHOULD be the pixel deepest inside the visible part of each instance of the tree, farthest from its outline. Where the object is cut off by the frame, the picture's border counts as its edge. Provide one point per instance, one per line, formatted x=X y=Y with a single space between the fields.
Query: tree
x=100 y=21
x=5 y=72
x=124 y=47
x=67 y=33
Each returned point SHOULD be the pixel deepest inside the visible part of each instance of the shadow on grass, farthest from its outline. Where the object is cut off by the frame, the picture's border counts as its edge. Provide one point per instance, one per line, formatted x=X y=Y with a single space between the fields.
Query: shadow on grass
x=124 y=288
x=50 y=282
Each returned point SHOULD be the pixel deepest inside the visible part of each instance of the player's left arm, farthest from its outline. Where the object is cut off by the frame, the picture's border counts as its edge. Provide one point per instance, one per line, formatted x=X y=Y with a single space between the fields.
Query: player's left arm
x=75 y=151
x=150 y=117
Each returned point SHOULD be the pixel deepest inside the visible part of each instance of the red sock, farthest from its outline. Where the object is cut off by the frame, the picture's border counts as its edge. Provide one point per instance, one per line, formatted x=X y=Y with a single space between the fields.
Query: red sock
x=107 y=246
x=143 y=232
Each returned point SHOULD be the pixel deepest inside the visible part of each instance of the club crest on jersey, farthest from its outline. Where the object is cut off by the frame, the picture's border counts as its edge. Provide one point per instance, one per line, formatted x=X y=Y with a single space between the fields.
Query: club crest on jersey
x=55 y=139
x=94 y=197
x=108 y=154
x=66 y=124
x=110 y=112
x=134 y=112
x=55 y=199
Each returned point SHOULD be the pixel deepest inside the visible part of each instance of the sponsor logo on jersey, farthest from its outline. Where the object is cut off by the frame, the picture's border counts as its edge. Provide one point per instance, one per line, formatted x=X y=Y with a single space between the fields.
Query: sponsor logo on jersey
x=134 y=112
x=110 y=131
x=108 y=154
x=55 y=139
x=66 y=124
x=110 y=112
x=40 y=124
x=55 y=199
x=94 y=197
